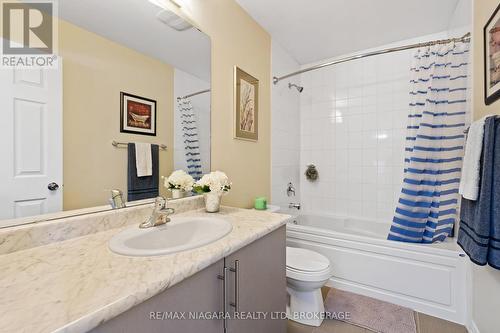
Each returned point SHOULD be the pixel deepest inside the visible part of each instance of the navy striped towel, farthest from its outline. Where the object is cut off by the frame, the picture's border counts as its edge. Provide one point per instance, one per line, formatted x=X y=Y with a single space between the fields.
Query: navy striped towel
x=479 y=234
x=142 y=187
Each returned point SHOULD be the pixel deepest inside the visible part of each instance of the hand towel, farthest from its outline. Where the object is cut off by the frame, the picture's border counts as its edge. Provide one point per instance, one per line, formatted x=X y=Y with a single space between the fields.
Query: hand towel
x=142 y=187
x=479 y=233
x=143 y=160
x=469 y=183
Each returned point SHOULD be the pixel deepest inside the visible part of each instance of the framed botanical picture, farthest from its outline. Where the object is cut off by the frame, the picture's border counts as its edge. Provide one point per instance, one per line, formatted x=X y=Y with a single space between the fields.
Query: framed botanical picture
x=492 y=58
x=137 y=114
x=246 y=106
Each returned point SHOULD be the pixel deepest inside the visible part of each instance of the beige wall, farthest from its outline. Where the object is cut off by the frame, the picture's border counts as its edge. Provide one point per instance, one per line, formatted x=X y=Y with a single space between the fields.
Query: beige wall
x=485 y=280
x=237 y=40
x=95 y=70
x=486 y=298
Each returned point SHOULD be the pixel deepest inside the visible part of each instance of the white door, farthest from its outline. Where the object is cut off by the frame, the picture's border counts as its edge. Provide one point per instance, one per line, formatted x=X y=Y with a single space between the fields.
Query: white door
x=30 y=142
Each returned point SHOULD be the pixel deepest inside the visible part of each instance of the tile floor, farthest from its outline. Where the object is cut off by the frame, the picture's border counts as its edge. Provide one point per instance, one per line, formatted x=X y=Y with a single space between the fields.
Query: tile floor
x=425 y=324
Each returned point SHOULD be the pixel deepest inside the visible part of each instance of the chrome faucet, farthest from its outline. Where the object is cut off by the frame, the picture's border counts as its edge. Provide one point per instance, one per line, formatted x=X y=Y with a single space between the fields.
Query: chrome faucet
x=290 y=190
x=116 y=200
x=294 y=205
x=160 y=214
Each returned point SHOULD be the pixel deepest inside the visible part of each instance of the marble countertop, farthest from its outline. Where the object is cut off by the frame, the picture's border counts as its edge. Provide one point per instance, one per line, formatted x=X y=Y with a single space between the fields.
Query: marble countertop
x=76 y=284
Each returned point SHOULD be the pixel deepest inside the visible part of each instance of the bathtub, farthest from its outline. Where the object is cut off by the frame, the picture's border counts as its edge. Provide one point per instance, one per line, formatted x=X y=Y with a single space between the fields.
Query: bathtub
x=428 y=278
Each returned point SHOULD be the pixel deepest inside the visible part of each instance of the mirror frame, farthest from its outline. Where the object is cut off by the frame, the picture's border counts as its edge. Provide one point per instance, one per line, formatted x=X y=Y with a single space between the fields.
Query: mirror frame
x=64 y=214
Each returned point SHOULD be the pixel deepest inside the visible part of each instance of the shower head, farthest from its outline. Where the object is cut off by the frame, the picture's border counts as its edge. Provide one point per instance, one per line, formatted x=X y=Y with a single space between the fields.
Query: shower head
x=299 y=88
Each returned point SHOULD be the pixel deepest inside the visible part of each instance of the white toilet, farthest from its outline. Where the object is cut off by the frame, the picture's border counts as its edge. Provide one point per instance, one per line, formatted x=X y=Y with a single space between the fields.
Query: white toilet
x=306 y=272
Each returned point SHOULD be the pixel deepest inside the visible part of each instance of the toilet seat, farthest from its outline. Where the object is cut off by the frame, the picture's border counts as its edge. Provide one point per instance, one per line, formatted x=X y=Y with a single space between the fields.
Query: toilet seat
x=306 y=265
x=308 y=276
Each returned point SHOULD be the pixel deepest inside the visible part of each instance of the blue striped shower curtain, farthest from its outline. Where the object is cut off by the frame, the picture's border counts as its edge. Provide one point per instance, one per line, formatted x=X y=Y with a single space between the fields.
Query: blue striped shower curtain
x=190 y=138
x=427 y=208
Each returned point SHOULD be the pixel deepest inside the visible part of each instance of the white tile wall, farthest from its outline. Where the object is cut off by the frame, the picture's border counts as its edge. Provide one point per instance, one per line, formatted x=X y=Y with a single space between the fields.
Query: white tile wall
x=185 y=84
x=285 y=141
x=353 y=123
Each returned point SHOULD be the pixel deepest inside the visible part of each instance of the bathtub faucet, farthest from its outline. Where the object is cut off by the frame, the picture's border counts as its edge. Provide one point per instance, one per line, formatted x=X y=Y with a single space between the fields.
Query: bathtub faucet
x=294 y=205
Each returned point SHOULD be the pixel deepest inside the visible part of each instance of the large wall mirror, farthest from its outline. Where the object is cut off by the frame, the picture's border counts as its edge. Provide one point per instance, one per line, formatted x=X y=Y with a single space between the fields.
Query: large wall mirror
x=129 y=71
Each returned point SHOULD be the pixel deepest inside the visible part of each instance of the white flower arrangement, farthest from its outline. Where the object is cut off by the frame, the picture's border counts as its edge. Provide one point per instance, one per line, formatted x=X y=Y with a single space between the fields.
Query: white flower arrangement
x=216 y=182
x=179 y=180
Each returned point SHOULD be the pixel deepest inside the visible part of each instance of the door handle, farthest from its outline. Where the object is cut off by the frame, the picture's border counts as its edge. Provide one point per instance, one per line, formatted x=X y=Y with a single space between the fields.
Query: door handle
x=236 y=271
x=53 y=186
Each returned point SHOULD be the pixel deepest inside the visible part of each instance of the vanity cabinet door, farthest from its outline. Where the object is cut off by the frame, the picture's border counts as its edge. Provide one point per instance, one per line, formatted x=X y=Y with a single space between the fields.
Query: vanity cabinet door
x=202 y=292
x=257 y=284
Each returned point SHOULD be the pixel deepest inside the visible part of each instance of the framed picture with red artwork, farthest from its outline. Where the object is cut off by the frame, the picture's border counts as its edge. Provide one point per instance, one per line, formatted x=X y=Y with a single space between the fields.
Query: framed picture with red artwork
x=137 y=114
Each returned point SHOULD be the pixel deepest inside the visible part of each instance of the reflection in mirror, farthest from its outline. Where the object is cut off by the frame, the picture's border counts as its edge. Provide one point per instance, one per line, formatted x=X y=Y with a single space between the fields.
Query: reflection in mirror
x=129 y=72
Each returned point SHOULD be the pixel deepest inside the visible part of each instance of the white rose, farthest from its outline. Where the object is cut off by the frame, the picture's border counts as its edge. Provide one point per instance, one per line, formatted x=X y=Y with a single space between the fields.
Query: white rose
x=217 y=181
x=179 y=179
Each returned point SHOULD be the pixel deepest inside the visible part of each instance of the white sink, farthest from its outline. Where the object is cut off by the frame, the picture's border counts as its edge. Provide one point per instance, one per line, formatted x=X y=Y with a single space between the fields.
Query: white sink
x=181 y=234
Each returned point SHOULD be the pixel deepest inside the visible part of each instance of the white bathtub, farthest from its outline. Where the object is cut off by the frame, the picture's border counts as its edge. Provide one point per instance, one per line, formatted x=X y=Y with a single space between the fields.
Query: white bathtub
x=427 y=278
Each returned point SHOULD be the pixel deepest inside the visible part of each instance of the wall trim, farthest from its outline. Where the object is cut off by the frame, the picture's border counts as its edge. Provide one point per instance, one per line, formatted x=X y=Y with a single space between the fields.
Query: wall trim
x=472 y=327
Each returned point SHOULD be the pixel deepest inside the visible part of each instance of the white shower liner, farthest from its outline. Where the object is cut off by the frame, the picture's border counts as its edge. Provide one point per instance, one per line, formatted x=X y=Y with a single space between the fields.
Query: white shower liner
x=427 y=278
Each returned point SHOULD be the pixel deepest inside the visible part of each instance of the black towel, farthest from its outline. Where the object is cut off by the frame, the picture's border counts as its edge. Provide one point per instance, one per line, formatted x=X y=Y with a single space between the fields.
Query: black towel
x=479 y=233
x=142 y=187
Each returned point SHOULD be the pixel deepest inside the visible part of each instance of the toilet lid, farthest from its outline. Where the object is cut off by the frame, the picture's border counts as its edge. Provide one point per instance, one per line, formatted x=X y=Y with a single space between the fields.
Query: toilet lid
x=305 y=260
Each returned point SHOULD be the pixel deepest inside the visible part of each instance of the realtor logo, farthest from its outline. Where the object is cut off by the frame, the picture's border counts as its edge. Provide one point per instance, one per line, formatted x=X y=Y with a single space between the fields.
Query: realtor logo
x=28 y=33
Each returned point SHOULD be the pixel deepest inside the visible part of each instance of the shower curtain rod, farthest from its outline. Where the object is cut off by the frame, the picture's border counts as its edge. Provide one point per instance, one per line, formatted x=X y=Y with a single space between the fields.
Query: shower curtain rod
x=464 y=39
x=193 y=94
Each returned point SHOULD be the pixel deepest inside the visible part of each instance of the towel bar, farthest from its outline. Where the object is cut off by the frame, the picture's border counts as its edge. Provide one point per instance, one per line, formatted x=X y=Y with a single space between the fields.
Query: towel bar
x=118 y=144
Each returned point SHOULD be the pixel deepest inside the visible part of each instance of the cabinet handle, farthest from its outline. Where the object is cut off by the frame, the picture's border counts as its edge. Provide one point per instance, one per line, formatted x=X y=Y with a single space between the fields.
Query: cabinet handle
x=224 y=278
x=236 y=271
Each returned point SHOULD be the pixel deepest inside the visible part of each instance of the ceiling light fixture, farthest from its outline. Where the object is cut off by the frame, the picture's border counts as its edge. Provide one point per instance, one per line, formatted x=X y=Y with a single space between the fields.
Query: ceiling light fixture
x=175 y=3
x=167 y=15
x=173 y=20
x=164 y=3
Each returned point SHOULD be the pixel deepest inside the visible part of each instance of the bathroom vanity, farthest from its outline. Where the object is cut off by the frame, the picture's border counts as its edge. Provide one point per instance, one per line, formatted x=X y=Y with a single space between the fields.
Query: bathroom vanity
x=249 y=281
x=65 y=276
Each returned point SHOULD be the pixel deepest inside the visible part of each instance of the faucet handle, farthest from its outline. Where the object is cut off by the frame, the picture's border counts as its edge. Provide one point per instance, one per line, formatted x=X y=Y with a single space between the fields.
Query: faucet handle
x=163 y=214
x=160 y=203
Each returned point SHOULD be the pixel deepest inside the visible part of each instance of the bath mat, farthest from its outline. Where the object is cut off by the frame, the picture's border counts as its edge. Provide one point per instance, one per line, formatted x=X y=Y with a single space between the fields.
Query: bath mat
x=370 y=313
